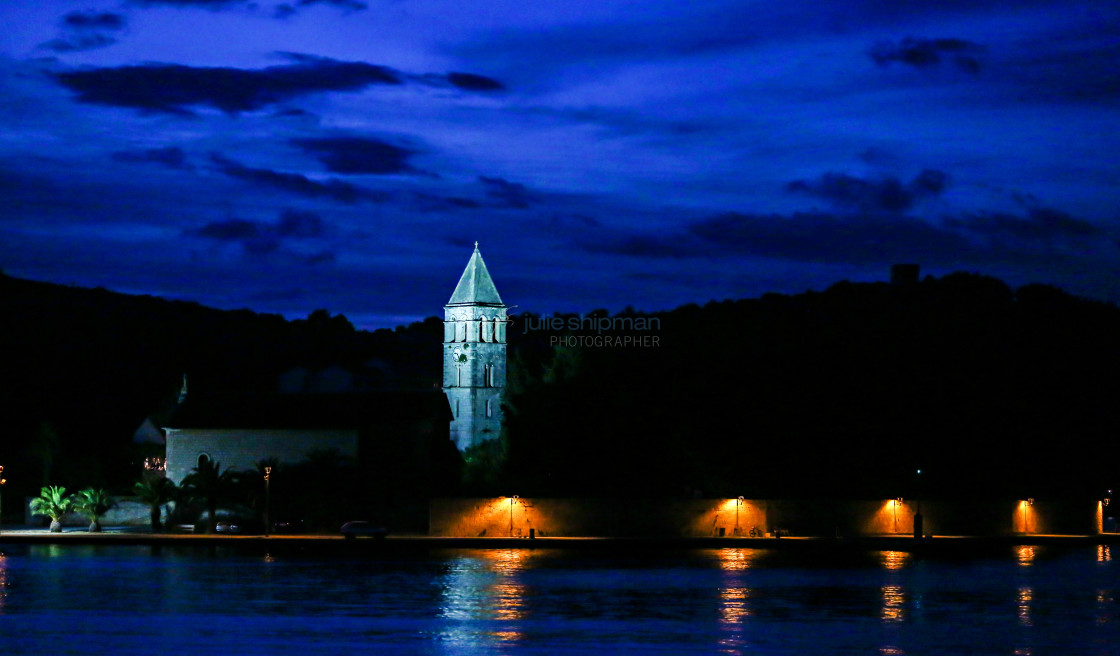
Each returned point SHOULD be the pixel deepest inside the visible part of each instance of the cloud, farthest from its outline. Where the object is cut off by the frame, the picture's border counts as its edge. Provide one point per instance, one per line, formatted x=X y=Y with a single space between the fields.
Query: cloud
x=829 y=237
x=94 y=20
x=472 y=82
x=170 y=156
x=300 y=225
x=434 y=203
x=461 y=81
x=848 y=193
x=202 y=4
x=295 y=183
x=508 y=194
x=173 y=88
x=322 y=257
x=230 y=230
x=928 y=53
x=805 y=237
x=79 y=42
x=261 y=238
x=569 y=221
x=1039 y=224
x=350 y=5
x=358 y=155
x=287 y=10
x=86 y=30
x=969 y=239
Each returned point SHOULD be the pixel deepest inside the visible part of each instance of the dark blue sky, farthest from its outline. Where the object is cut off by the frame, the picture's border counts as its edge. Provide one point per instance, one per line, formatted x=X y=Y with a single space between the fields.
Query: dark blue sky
x=346 y=154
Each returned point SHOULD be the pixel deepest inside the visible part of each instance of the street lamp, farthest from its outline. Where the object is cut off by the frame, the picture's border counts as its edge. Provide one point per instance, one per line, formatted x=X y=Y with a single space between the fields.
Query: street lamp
x=511 y=500
x=738 y=502
x=918 y=524
x=2 y=481
x=267 y=501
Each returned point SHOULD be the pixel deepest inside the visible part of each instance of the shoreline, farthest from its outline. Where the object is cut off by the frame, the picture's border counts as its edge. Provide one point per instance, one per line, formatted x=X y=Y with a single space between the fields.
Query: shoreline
x=405 y=543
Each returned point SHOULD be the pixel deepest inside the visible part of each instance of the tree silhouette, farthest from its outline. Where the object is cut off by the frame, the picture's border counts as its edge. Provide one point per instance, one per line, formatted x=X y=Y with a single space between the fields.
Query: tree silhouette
x=209 y=484
x=155 y=491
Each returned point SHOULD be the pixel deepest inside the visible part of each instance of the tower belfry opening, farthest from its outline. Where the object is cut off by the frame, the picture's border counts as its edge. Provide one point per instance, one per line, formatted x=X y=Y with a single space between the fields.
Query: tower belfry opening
x=474 y=355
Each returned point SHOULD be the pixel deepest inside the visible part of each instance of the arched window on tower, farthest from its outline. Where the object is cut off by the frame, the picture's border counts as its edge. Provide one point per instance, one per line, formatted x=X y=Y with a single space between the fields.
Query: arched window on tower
x=489 y=412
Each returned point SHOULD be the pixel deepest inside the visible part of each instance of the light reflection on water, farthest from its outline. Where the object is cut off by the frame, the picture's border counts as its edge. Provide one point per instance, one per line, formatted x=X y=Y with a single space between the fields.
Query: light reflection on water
x=484 y=585
x=3 y=582
x=894 y=560
x=894 y=600
x=545 y=601
x=734 y=598
x=1024 y=599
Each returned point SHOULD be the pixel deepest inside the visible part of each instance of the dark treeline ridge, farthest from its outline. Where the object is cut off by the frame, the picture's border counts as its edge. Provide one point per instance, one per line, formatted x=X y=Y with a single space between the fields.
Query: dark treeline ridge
x=83 y=368
x=990 y=391
x=842 y=393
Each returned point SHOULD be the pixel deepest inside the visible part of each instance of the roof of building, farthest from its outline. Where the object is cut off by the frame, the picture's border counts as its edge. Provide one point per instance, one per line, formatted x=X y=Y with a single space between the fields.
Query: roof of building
x=310 y=411
x=475 y=286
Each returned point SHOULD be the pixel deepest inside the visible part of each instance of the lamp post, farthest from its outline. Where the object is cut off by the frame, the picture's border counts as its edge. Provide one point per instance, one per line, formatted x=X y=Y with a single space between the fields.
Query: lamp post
x=2 y=481
x=738 y=502
x=511 y=499
x=267 y=501
x=918 y=515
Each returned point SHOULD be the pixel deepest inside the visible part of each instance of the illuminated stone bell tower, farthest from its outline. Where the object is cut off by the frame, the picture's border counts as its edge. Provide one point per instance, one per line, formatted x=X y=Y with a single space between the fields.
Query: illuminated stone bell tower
x=474 y=356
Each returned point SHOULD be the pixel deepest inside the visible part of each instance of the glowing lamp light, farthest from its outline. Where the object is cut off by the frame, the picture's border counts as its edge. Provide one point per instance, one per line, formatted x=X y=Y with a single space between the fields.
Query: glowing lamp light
x=1030 y=502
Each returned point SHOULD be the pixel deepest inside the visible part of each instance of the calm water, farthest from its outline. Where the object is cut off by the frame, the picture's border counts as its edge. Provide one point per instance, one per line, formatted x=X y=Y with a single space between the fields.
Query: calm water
x=128 y=600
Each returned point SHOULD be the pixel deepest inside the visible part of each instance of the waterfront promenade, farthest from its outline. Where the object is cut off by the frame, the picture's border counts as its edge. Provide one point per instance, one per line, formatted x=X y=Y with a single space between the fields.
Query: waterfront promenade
x=396 y=543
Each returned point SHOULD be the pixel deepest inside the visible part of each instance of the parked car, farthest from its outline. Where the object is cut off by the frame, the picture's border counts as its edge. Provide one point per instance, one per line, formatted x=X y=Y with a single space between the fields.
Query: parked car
x=351 y=530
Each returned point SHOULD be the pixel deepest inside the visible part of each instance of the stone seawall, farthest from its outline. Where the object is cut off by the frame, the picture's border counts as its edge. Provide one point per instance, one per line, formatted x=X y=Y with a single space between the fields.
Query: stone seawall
x=547 y=517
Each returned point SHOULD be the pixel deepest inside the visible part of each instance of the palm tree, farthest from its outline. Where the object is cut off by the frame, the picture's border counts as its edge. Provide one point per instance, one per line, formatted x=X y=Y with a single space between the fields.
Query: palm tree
x=93 y=503
x=53 y=503
x=155 y=491
x=209 y=483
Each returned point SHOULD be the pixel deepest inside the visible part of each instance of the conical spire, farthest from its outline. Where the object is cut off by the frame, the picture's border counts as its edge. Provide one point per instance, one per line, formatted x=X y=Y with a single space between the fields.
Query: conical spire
x=475 y=287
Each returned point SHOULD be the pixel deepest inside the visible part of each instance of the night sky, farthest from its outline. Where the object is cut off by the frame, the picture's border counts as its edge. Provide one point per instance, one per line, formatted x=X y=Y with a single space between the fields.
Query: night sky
x=346 y=154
